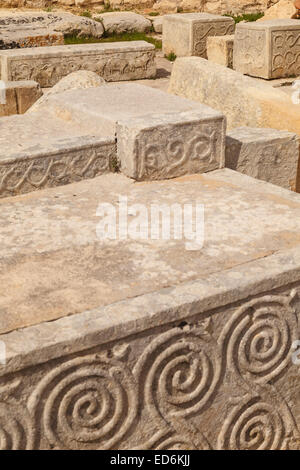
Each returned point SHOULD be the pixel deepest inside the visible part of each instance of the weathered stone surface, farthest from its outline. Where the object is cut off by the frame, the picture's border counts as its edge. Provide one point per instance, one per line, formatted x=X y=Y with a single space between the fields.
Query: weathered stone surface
x=15 y=39
x=19 y=96
x=190 y=359
x=112 y=61
x=171 y=145
x=269 y=49
x=265 y=154
x=220 y=50
x=40 y=150
x=73 y=81
x=245 y=101
x=158 y=24
x=123 y=22
x=282 y=9
x=66 y=23
x=186 y=34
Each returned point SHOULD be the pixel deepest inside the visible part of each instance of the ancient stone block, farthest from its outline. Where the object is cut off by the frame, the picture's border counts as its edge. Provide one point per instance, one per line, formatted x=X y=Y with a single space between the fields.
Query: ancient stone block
x=19 y=96
x=15 y=39
x=186 y=34
x=39 y=151
x=171 y=145
x=201 y=352
x=112 y=61
x=268 y=49
x=119 y=22
x=220 y=49
x=265 y=154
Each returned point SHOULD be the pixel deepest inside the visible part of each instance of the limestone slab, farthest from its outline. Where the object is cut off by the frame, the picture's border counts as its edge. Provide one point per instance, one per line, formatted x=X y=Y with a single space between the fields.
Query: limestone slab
x=39 y=151
x=244 y=100
x=47 y=65
x=266 y=154
x=196 y=354
x=186 y=34
x=15 y=39
x=19 y=96
x=119 y=22
x=220 y=50
x=171 y=145
x=268 y=49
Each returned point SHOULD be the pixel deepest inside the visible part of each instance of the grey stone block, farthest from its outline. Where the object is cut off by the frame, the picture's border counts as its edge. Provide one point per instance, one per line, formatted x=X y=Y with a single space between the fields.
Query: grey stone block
x=112 y=61
x=267 y=49
x=171 y=145
x=265 y=154
x=186 y=34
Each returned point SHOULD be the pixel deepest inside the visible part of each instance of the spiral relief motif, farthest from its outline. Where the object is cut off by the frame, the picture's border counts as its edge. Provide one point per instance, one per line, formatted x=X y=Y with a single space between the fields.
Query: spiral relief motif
x=254 y=425
x=16 y=428
x=178 y=374
x=85 y=403
x=257 y=340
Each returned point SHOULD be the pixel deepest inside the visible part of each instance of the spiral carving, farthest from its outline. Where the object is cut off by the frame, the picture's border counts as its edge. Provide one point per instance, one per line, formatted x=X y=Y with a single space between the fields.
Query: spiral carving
x=257 y=340
x=16 y=428
x=178 y=374
x=85 y=403
x=254 y=425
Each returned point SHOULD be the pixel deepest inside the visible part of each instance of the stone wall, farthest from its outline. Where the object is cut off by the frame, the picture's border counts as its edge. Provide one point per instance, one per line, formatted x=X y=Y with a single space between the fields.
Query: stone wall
x=163 y=6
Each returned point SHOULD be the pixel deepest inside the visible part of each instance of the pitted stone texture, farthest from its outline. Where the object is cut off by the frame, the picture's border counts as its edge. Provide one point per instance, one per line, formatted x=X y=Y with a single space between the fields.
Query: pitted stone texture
x=123 y=22
x=18 y=97
x=265 y=154
x=112 y=61
x=171 y=145
x=186 y=34
x=198 y=352
x=268 y=49
x=39 y=151
x=220 y=50
x=73 y=81
x=66 y=23
x=15 y=39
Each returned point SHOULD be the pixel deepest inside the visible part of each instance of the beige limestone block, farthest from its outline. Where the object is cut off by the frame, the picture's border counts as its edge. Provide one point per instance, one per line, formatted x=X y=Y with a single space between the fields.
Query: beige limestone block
x=268 y=49
x=266 y=154
x=282 y=9
x=19 y=96
x=123 y=22
x=220 y=50
x=186 y=34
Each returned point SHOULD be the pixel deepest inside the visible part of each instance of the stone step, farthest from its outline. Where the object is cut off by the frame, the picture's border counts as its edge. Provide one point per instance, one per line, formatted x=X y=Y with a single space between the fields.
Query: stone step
x=142 y=343
x=116 y=61
x=39 y=150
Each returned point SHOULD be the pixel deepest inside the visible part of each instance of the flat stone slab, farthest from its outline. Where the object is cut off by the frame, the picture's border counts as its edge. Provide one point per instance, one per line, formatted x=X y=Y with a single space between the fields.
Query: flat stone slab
x=17 y=97
x=47 y=65
x=220 y=50
x=194 y=350
x=268 y=49
x=15 y=39
x=186 y=34
x=39 y=151
x=266 y=154
x=171 y=145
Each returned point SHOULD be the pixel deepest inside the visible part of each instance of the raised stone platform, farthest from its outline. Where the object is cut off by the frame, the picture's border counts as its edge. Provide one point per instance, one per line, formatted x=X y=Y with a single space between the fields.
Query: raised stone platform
x=266 y=154
x=268 y=49
x=186 y=34
x=191 y=350
x=18 y=97
x=47 y=65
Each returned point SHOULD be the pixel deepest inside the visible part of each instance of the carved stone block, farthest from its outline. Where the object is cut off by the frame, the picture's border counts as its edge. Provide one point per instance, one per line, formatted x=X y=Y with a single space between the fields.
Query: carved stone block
x=112 y=61
x=268 y=49
x=265 y=154
x=19 y=38
x=220 y=50
x=171 y=145
x=186 y=34
x=192 y=350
